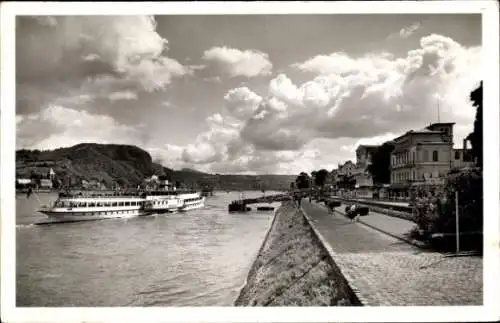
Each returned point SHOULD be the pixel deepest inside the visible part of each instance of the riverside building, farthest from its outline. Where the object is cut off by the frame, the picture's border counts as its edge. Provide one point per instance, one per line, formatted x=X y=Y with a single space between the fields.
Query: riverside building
x=424 y=157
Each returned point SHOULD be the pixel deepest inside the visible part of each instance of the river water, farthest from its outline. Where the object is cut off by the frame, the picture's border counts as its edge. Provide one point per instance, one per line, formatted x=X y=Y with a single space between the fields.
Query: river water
x=197 y=258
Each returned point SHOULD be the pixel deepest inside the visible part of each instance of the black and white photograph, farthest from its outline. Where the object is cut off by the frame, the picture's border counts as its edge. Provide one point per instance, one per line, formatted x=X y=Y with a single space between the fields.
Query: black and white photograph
x=197 y=157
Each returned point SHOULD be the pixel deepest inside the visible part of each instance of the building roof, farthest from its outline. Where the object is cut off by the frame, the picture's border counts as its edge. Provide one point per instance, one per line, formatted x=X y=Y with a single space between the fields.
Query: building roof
x=417 y=132
x=425 y=130
x=369 y=148
x=441 y=124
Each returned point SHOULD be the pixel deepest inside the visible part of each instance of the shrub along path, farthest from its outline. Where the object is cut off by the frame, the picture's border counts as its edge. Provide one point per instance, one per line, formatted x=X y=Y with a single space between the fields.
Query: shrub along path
x=384 y=271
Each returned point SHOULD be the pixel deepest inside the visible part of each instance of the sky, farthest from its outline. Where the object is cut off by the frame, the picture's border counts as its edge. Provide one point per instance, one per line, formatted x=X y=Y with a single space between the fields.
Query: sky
x=243 y=94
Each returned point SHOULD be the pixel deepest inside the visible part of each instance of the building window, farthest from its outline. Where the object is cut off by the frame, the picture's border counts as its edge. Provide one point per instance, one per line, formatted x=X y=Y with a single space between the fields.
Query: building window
x=457 y=154
x=435 y=156
x=426 y=155
x=414 y=159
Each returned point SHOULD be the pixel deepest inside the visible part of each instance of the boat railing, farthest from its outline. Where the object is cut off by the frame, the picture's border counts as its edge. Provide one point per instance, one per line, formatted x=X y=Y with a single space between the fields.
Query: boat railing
x=98 y=196
x=124 y=194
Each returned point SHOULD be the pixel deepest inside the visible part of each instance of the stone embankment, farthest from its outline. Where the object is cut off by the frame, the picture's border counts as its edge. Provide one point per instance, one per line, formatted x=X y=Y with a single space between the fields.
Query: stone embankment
x=293 y=268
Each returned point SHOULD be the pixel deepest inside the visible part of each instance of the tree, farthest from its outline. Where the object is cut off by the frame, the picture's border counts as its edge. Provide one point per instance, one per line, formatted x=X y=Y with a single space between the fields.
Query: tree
x=122 y=183
x=380 y=168
x=163 y=178
x=320 y=178
x=302 y=181
x=56 y=183
x=476 y=137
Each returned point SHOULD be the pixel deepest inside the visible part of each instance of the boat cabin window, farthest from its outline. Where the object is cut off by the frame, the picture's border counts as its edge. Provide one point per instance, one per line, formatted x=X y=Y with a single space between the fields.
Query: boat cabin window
x=120 y=203
x=127 y=203
x=114 y=204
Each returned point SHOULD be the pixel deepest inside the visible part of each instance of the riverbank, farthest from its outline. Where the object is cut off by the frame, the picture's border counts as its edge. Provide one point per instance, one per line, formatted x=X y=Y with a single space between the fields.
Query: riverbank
x=293 y=268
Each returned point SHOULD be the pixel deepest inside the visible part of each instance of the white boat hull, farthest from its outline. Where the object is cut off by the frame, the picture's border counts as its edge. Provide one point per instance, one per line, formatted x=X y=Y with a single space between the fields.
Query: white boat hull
x=193 y=206
x=91 y=216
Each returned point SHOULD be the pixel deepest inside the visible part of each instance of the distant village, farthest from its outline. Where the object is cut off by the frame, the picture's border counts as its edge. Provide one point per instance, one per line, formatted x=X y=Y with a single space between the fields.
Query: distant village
x=49 y=182
x=421 y=157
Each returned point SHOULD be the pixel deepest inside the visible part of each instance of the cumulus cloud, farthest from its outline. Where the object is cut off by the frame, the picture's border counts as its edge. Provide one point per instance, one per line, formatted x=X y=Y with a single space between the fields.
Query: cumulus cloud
x=343 y=101
x=60 y=54
x=347 y=102
x=167 y=155
x=57 y=126
x=377 y=93
x=241 y=102
x=168 y=104
x=123 y=95
x=215 y=79
x=377 y=140
x=236 y=62
x=77 y=99
x=409 y=30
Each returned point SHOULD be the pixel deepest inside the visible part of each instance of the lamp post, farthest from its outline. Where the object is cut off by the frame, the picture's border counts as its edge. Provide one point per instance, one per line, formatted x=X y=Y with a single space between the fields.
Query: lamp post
x=310 y=189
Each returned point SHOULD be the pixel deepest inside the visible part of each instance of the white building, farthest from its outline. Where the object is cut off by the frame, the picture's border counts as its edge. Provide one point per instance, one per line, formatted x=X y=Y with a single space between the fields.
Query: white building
x=363 y=178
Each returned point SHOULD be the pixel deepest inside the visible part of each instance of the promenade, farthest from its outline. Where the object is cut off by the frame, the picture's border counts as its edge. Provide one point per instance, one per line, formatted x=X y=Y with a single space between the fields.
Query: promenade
x=383 y=270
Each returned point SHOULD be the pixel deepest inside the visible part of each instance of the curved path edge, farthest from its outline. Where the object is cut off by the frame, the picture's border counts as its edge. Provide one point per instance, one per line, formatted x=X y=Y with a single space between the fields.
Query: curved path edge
x=349 y=280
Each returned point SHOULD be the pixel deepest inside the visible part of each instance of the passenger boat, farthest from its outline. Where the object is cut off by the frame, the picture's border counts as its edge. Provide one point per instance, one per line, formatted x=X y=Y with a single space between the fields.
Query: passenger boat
x=164 y=201
x=81 y=207
x=70 y=207
x=191 y=201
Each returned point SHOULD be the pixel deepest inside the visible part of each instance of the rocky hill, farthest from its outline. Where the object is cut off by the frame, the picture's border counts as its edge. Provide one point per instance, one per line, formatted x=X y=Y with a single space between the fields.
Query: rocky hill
x=128 y=166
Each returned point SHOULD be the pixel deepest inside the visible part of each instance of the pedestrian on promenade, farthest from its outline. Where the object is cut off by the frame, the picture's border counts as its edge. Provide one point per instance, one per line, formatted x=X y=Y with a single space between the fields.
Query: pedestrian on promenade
x=329 y=206
x=352 y=213
x=28 y=194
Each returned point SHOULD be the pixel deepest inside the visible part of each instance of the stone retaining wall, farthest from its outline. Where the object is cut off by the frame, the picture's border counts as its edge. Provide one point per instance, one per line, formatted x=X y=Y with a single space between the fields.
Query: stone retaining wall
x=293 y=268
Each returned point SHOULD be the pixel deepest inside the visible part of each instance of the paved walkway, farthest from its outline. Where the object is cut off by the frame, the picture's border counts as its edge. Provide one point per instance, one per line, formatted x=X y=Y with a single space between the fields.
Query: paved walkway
x=394 y=226
x=383 y=270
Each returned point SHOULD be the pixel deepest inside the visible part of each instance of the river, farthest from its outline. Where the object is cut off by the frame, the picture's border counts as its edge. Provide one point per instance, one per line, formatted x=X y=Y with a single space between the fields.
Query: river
x=197 y=258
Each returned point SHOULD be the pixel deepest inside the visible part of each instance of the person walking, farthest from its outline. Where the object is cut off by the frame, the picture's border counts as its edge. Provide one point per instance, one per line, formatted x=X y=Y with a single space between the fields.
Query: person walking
x=299 y=200
x=28 y=194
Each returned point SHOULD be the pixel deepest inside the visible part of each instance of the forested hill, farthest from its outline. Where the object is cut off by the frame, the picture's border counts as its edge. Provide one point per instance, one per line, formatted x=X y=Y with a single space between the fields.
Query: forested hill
x=128 y=166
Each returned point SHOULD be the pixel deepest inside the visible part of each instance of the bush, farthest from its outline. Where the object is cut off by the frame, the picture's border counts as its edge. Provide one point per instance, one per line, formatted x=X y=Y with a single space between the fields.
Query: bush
x=434 y=208
x=469 y=185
